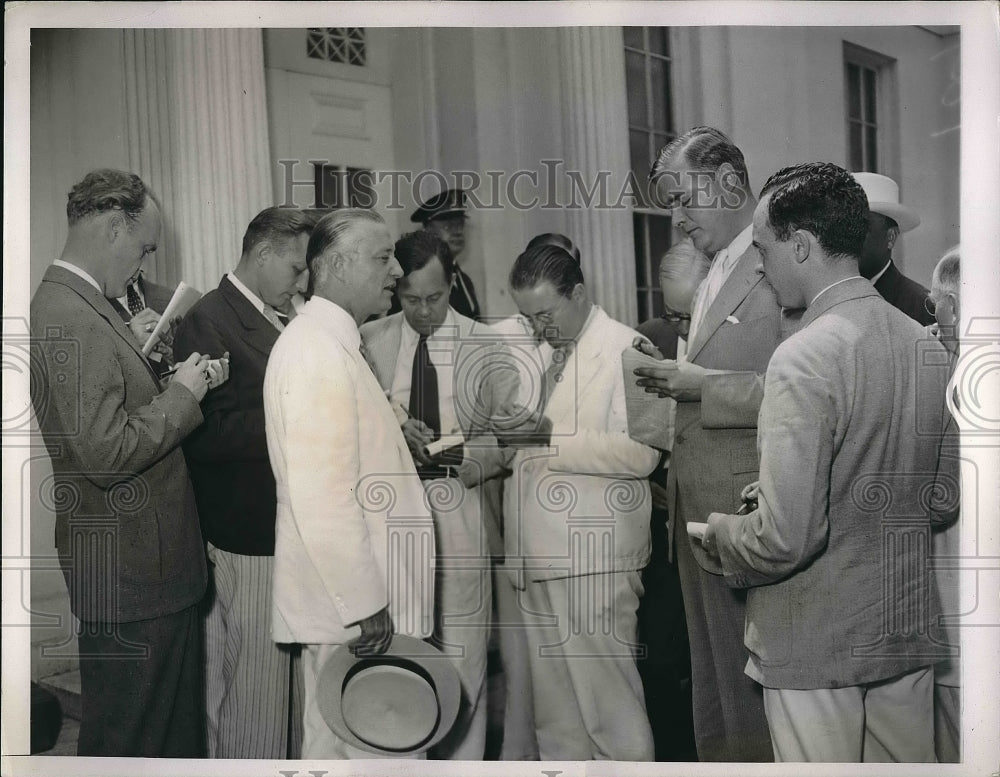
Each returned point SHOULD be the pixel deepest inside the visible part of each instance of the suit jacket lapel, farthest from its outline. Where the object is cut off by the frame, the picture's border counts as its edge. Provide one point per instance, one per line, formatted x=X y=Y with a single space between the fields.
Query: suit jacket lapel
x=736 y=288
x=257 y=330
x=587 y=359
x=103 y=307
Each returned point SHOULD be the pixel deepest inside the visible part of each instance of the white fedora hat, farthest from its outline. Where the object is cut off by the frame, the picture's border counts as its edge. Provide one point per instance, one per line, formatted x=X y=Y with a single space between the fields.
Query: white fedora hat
x=883 y=197
x=399 y=703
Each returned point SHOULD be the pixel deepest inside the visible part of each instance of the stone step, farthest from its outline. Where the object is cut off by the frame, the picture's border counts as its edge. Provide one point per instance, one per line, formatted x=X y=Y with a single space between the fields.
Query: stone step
x=66 y=687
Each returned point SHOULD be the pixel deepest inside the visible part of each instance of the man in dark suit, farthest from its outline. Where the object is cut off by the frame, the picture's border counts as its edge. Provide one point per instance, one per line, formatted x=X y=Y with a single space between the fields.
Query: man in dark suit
x=887 y=219
x=126 y=524
x=445 y=215
x=247 y=677
x=736 y=323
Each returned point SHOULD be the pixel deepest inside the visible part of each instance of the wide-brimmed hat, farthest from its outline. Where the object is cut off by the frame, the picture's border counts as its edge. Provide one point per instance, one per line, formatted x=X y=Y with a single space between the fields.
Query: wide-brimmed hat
x=883 y=197
x=395 y=704
x=446 y=203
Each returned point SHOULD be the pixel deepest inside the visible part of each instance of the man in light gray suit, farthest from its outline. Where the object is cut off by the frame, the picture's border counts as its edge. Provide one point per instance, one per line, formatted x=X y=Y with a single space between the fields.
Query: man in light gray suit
x=851 y=480
x=736 y=323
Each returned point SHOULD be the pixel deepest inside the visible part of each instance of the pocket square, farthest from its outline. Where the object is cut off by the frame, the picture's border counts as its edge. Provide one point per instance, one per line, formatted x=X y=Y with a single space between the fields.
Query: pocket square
x=732 y=319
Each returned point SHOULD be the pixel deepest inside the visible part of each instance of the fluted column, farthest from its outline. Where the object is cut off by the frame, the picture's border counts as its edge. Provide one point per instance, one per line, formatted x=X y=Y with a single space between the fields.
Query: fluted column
x=595 y=138
x=197 y=133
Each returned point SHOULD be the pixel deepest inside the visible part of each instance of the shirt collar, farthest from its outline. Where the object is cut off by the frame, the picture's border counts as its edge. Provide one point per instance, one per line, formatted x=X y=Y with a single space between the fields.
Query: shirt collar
x=739 y=245
x=80 y=272
x=241 y=287
x=880 y=273
x=411 y=335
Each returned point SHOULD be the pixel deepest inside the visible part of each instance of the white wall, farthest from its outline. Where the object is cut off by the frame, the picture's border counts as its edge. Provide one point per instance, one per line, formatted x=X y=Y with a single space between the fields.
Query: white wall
x=780 y=93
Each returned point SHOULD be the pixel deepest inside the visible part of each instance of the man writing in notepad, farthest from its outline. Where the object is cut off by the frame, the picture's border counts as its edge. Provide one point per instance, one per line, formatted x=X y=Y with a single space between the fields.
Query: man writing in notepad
x=438 y=369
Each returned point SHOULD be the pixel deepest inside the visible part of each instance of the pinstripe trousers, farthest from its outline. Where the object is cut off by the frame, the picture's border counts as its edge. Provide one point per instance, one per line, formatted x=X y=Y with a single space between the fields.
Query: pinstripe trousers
x=248 y=678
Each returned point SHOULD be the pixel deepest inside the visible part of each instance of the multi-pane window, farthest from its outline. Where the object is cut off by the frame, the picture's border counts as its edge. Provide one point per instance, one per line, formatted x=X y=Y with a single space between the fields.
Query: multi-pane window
x=864 y=76
x=650 y=126
x=337 y=44
x=344 y=187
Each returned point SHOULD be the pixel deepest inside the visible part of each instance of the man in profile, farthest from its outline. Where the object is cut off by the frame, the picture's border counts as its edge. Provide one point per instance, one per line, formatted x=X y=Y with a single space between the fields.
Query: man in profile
x=114 y=433
x=247 y=676
x=342 y=472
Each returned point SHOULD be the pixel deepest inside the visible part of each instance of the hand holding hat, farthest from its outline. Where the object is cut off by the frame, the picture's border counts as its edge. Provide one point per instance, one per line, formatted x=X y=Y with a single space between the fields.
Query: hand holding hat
x=376 y=634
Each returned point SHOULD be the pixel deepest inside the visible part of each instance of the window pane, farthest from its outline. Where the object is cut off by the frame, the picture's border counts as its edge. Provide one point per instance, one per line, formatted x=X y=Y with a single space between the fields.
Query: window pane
x=871 y=82
x=871 y=149
x=360 y=188
x=659 y=241
x=633 y=37
x=638 y=142
x=329 y=184
x=635 y=81
x=855 y=155
x=658 y=41
x=661 y=94
x=853 y=92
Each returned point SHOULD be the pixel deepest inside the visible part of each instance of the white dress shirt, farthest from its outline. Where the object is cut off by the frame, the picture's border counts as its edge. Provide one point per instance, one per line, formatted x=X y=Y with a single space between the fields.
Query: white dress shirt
x=441 y=349
x=722 y=267
x=82 y=273
x=259 y=305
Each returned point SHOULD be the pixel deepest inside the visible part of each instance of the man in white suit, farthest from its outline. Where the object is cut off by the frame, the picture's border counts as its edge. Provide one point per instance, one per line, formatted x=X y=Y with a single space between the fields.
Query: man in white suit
x=446 y=374
x=346 y=485
x=577 y=521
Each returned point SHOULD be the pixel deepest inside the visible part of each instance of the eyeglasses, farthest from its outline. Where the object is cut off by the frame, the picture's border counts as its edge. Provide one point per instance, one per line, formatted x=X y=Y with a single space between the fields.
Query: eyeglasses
x=673 y=317
x=930 y=305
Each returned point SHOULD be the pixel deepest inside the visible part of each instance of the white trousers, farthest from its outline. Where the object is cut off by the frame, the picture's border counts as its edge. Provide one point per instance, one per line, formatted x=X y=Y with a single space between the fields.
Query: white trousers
x=890 y=721
x=588 y=699
x=463 y=608
x=248 y=678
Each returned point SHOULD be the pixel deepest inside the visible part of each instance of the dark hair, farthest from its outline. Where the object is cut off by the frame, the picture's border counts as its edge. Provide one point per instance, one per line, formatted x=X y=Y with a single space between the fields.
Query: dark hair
x=555 y=239
x=822 y=199
x=332 y=230
x=104 y=190
x=546 y=262
x=275 y=224
x=702 y=148
x=416 y=249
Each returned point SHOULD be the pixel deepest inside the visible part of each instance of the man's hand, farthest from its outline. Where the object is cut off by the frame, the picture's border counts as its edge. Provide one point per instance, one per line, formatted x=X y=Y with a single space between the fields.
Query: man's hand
x=165 y=343
x=749 y=496
x=142 y=325
x=376 y=634
x=218 y=371
x=678 y=380
x=418 y=436
x=710 y=540
x=522 y=428
x=192 y=374
x=643 y=345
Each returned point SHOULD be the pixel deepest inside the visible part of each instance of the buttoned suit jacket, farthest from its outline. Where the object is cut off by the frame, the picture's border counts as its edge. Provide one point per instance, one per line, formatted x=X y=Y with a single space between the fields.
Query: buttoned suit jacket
x=127 y=530
x=227 y=454
x=851 y=479
x=485 y=384
x=588 y=489
x=715 y=442
x=353 y=533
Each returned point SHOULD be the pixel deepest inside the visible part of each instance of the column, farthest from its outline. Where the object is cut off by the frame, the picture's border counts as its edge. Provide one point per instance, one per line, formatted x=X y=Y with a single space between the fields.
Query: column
x=595 y=139
x=197 y=134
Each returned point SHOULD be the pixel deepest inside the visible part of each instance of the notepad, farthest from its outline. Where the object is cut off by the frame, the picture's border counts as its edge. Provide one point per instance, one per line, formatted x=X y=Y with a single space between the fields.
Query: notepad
x=184 y=298
x=647 y=413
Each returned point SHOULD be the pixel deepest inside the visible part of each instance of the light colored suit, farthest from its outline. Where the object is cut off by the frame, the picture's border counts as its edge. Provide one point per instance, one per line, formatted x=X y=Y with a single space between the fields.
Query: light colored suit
x=577 y=535
x=850 y=432
x=713 y=458
x=345 y=484
x=466 y=520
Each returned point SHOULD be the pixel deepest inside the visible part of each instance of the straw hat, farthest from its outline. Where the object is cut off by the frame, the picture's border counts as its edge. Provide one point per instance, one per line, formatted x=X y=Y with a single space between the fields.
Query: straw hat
x=399 y=703
x=883 y=197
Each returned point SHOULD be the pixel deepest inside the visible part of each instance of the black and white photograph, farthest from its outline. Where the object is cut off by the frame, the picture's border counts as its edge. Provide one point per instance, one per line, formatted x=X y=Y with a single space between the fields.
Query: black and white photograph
x=524 y=384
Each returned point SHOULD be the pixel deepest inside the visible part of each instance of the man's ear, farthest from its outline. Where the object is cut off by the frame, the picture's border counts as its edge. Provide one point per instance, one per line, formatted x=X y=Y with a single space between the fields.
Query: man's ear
x=578 y=293
x=891 y=236
x=801 y=245
x=262 y=253
x=116 y=225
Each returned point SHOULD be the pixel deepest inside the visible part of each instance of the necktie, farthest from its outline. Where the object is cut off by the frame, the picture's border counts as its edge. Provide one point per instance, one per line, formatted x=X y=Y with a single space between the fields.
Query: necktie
x=282 y=318
x=134 y=300
x=272 y=317
x=424 y=388
x=554 y=373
